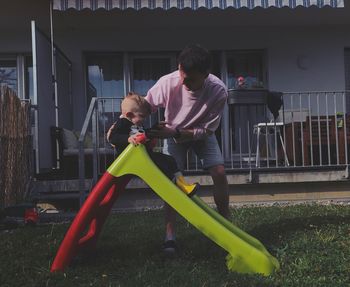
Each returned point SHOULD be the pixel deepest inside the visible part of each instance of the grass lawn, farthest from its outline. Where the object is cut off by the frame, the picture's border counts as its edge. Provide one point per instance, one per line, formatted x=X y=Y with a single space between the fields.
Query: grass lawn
x=311 y=243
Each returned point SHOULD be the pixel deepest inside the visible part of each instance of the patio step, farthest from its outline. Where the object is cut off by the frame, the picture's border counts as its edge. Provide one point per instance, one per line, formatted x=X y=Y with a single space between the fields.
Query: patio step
x=70 y=187
x=56 y=189
x=247 y=194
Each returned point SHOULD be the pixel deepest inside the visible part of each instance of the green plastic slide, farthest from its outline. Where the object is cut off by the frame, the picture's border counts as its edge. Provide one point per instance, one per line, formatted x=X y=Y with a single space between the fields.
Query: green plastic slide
x=246 y=254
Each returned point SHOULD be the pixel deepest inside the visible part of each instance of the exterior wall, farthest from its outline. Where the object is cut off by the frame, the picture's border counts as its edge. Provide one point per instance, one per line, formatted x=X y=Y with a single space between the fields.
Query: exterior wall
x=15 y=17
x=318 y=51
x=318 y=47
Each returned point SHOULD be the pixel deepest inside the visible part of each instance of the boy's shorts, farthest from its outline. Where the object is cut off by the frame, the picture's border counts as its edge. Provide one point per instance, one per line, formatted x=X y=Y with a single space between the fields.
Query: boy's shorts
x=207 y=150
x=165 y=163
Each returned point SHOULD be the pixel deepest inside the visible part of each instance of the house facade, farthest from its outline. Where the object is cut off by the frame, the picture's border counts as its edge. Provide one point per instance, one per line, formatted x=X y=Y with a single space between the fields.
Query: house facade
x=61 y=54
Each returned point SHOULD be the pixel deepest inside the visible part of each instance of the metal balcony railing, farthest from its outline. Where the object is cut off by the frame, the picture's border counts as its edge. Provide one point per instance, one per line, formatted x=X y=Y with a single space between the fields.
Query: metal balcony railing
x=310 y=129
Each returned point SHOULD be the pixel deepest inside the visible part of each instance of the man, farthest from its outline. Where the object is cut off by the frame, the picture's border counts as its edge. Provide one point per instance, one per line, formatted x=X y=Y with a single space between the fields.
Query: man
x=194 y=101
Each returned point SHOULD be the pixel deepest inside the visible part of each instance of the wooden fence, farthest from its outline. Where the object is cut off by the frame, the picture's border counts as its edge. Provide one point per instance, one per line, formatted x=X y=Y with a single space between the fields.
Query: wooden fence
x=15 y=148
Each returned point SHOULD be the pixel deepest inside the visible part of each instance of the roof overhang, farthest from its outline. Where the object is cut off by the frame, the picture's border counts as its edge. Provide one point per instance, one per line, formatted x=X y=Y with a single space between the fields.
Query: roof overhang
x=63 y=5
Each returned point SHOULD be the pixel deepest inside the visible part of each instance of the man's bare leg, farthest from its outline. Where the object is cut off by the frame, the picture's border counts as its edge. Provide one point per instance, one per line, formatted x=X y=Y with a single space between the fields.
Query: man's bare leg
x=221 y=196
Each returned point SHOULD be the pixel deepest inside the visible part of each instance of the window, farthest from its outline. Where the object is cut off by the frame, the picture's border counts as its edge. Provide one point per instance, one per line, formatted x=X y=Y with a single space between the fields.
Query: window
x=146 y=70
x=8 y=73
x=216 y=63
x=105 y=76
x=16 y=73
x=29 y=90
x=248 y=64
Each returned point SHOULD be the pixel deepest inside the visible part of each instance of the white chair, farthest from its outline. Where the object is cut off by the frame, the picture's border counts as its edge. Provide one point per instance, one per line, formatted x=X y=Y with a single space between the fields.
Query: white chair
x=272 y=128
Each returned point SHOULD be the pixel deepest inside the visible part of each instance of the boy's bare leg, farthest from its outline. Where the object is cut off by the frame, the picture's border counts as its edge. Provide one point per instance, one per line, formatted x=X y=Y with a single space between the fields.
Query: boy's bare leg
x=221 y=199
x=170 y=219
x=221 y=196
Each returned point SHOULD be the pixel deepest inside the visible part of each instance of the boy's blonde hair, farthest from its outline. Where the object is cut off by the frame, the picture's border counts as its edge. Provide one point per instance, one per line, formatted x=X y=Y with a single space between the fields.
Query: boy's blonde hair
x=135 y=103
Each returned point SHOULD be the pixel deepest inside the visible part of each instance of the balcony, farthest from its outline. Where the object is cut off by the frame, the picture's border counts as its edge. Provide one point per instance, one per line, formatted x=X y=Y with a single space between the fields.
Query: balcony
x=296 y=130
x=265 y=138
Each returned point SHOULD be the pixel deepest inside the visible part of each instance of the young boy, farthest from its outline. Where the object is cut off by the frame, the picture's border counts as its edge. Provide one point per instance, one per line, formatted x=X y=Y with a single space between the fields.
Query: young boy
x=128 y=129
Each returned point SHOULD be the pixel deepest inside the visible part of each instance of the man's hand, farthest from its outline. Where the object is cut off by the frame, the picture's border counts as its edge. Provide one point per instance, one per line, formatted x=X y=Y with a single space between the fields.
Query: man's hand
x=185 y=136
x=161 y=131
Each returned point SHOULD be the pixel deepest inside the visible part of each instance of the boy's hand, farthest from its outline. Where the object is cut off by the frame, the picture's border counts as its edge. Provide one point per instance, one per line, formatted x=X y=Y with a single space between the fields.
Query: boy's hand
x=110 y=131
x=136 y=139
x=109 y=134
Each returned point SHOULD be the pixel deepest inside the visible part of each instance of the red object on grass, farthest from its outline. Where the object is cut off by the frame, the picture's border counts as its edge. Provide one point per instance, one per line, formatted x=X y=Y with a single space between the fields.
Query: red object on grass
x=31 y=216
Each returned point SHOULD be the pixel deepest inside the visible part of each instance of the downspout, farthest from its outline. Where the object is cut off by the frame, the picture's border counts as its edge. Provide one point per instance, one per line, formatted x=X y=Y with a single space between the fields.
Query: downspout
x=225 y=121
x=54 y=79
x=35 y=98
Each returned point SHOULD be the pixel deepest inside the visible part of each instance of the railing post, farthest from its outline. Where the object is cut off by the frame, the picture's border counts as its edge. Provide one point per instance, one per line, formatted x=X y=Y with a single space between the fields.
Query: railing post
x=94 y=144
x=345 y=128
x=225 y=121
x=81 y=173
x=81 y=151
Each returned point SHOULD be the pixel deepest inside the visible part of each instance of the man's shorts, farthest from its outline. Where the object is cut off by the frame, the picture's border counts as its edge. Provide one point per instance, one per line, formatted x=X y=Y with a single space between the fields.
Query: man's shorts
x=207 y=151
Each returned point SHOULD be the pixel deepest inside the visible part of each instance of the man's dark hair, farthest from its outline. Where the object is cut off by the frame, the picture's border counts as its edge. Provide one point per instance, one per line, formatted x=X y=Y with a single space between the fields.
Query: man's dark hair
x=195 y=58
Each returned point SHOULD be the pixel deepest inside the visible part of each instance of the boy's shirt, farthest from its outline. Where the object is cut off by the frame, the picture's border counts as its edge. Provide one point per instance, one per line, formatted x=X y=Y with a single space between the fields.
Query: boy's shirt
x=122 y=130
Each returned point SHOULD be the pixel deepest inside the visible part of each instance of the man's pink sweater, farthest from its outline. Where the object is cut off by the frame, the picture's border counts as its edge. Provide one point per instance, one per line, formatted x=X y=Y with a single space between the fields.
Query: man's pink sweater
x=200 y=110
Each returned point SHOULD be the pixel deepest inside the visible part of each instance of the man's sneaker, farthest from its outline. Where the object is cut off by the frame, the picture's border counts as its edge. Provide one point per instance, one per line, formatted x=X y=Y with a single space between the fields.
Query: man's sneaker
x=169 y=247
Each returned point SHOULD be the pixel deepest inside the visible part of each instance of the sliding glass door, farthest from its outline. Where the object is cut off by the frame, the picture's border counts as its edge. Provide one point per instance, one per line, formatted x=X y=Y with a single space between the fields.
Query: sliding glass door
x=147 y=69
x=250 y=66
x=247 y=64
x=105 y=75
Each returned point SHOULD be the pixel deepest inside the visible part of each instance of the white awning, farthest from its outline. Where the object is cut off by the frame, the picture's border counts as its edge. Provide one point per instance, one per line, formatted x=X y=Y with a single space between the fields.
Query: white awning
x=63 y=5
